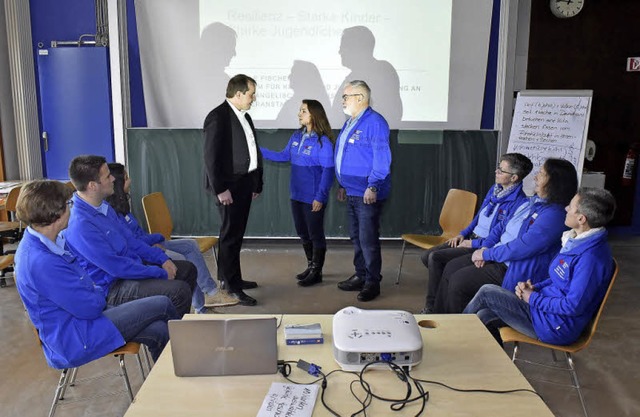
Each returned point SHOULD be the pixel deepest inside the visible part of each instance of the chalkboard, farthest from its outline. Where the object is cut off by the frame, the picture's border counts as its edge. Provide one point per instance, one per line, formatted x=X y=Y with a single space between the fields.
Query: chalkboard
x=548 y=123
x=422 y=171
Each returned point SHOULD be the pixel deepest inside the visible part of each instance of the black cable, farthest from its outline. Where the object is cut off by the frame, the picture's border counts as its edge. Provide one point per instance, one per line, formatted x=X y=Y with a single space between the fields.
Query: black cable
x=396 y=404
x=280 y=321
x=487 y=391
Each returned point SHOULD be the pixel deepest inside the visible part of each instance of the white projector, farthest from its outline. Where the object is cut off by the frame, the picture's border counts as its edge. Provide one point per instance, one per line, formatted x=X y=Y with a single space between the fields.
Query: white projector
x=364 y=336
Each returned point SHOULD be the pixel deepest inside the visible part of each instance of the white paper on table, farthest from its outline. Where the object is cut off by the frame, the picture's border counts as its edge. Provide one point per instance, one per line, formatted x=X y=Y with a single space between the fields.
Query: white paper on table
x=291 y=400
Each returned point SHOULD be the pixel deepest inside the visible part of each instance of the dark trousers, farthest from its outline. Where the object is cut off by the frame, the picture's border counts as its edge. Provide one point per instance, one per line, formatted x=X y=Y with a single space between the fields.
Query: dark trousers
x=364 y=231
x=309 y=224
x=234 y=224
x=179 y=290
x=461 y=280
x=436 y=259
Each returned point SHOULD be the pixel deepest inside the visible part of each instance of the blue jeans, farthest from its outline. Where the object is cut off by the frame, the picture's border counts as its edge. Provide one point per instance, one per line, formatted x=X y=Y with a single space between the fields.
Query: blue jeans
x=179 y=290
x=364 y=231
x=498 y=307
x=144 y=321
x=309 y=224
x=189 y=249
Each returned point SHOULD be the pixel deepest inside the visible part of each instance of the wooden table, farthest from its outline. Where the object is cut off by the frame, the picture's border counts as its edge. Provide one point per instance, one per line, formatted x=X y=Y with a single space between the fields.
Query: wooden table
x=459 y=352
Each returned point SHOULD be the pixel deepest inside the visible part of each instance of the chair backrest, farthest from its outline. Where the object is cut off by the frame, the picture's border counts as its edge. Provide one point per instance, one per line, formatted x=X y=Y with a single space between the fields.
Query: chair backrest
x=457 y=211
x=12 y=198
x=590 y=330
x=157 y=214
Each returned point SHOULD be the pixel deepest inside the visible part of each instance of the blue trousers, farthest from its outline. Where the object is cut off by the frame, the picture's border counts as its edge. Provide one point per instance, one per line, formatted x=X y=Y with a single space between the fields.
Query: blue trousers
x=144 y=321
x=189 y=250
x=179 y=290
x=309 y=224
x=364 y=231
x=498 y=307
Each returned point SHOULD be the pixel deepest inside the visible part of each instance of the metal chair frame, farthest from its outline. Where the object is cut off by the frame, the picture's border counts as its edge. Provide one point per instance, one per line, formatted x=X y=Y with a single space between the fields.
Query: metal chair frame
x=510 y=335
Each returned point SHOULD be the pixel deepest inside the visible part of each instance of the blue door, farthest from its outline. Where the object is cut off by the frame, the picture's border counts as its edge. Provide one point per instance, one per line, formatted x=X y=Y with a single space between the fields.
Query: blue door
x=75 y=102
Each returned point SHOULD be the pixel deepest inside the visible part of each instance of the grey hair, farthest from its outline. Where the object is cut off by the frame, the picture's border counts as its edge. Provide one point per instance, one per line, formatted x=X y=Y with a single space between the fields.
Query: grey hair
x=519 y=164
x=597 y=205
x=366 y=91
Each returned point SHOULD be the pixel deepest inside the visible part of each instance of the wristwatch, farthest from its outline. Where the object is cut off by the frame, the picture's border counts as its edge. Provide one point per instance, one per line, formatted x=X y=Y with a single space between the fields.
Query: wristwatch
x=374 y=189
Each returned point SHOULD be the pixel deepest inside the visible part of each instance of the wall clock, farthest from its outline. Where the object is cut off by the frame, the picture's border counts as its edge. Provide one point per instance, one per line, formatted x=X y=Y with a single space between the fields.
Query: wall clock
x=566 y=8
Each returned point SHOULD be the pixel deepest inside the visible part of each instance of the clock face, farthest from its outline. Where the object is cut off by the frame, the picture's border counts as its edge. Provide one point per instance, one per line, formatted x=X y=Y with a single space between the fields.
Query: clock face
x=566 y=8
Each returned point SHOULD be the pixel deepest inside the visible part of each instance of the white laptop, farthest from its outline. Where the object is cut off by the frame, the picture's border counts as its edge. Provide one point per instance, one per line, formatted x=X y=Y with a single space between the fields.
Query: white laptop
x=232 y=346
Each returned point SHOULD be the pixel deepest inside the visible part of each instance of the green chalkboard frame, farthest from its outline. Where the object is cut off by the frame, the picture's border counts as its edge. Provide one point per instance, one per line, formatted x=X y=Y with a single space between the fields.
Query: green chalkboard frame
x=425 y=166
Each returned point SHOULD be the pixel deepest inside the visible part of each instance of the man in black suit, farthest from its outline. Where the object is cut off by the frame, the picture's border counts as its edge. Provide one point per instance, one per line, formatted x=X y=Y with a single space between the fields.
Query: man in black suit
x=233 y=173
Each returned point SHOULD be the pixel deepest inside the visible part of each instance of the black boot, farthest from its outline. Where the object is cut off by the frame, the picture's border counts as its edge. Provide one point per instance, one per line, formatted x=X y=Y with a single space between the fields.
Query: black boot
x=308 y=251
x=315 y=276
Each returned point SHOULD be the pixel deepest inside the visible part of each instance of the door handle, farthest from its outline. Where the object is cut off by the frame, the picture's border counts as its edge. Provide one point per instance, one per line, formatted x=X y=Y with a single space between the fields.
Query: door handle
x=45 y=139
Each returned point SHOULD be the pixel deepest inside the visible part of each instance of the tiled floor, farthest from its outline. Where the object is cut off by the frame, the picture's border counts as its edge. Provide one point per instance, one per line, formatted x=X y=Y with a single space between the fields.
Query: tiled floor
x=608 y=369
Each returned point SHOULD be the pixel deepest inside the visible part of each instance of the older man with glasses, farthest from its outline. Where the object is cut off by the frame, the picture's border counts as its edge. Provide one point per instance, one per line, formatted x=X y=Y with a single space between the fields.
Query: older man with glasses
x=363 y=160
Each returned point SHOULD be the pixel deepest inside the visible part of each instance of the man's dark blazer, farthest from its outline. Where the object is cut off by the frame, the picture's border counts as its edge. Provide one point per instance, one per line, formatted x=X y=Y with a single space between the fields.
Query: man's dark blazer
x=226 y=154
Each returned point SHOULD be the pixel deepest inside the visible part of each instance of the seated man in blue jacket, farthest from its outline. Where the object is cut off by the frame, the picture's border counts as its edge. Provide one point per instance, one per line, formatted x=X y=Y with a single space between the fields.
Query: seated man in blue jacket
x=66 y=307
x=559 y=308
x=123 y=266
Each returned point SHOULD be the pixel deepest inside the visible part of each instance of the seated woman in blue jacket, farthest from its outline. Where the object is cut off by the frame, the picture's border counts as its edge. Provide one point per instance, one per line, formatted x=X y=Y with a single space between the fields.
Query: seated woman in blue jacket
x=70 y=313
x=558 y=309
x=500 y=203
x=521 y=246
x=310 y=151
x=207 y=293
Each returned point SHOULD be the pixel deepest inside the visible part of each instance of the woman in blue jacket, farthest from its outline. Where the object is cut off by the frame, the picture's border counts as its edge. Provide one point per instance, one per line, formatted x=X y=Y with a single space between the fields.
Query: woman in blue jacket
x=310 y=151
x=500 y=203
x=65 y=306
x=522 y=246
x=207 y=293
x=558 y=309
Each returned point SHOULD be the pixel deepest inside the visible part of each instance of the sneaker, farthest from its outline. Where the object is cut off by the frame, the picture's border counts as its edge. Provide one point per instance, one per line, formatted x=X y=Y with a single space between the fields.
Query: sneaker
x=220 y=299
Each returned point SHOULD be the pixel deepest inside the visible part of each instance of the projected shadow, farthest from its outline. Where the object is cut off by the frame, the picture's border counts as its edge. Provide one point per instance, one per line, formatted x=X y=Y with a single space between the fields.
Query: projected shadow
x=306 y=83
x=217 y=48
x=356 y=51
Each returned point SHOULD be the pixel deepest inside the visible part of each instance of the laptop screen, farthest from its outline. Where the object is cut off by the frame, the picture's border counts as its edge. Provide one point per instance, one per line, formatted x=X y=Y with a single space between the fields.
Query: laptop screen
x=231 y=346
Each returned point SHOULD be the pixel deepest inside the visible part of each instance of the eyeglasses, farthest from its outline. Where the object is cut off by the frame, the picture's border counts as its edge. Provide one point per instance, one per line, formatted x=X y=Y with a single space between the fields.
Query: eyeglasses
x=500 y=170
x=346 y=96
x=70 y=203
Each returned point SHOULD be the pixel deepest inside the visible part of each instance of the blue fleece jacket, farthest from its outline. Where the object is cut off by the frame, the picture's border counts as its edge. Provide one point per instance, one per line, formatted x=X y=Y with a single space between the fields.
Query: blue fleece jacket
x=63 y=303
x=505 y=208
x=311 y=166
x=562 y=305
x=366 y=157
x=132 y=224
x=107 y=250
x=538 y=241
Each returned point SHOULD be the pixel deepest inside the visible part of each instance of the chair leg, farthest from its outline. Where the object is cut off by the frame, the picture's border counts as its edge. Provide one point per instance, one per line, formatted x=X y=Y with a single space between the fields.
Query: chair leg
x=553 y=353
x=576 y=383
x=62 y=382
x=125 y=375
x=146 y=356
x=72 y=380
x=404 y=243
x=69 y=381
x=515 y=351
x=140 y=364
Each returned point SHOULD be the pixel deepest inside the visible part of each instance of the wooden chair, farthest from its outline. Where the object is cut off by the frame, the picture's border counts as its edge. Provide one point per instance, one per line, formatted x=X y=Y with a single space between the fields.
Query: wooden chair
x=6 y=263
x=11 y=229
x=510 y=335
x=68 y=375
x=456 y=214
x=159 y=220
